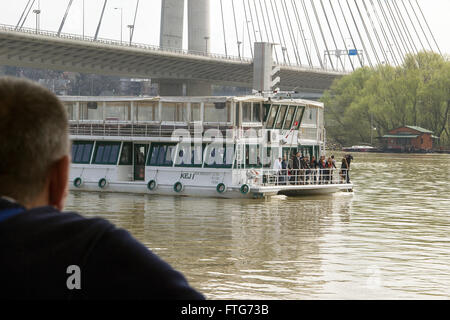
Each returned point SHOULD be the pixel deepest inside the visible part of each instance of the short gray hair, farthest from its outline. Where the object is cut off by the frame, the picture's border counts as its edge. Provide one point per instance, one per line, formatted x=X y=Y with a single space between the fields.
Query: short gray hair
x=34 y=133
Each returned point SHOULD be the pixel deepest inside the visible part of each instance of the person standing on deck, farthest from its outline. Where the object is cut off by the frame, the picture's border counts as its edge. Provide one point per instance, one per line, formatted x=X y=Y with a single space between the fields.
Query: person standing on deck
x=277 y=169
x=296 y=165
x=314 y=165
x=284 y=171
x=344 y=169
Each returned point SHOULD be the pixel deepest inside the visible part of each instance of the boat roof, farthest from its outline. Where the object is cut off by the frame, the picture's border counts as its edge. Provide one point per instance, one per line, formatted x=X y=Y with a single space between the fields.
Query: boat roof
x=211 y=99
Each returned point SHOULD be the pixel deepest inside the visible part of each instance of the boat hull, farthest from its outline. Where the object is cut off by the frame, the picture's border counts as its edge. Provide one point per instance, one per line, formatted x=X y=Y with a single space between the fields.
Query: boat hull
x=199 y=191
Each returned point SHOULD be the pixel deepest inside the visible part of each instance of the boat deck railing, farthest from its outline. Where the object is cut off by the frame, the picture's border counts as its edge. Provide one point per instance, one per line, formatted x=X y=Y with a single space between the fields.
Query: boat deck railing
x=128 y=129
x=294 y=177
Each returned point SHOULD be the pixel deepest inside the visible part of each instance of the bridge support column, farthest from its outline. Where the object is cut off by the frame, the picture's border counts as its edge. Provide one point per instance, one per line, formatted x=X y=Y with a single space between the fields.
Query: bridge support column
x=263 y=70
x=172 y=15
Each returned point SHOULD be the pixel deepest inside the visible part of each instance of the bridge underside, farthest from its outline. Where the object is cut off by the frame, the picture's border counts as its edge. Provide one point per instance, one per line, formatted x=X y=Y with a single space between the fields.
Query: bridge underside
x=47 y=52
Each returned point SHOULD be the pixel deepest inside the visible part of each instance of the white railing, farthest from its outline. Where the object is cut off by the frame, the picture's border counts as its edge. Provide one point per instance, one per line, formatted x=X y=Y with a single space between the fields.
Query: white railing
x=127 y=129
x=293 y=177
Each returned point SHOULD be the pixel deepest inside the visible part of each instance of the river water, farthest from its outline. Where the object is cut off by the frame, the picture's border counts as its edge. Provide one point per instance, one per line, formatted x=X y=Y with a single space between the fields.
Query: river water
x=390 y=239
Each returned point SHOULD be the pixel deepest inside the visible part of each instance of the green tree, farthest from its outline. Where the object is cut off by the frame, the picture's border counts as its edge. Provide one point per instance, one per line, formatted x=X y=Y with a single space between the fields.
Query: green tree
x=415 y=93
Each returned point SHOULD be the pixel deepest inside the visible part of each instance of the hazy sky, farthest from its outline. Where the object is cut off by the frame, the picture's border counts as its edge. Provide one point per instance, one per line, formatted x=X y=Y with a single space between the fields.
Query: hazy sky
x=148 y=20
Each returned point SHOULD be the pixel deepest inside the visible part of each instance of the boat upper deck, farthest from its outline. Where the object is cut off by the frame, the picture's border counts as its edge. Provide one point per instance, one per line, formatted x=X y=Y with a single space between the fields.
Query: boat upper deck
x=160 y=116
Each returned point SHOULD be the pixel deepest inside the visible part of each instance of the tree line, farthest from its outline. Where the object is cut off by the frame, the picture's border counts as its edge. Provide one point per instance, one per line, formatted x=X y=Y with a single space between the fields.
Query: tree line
x=371 y=101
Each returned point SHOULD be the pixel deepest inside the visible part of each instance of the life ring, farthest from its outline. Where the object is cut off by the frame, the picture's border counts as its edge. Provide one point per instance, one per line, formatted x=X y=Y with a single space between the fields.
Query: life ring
x=102 y=183
x=151 y=185
x=221 y=188
x=245 y=189
x=77 y=182
x=178 y=187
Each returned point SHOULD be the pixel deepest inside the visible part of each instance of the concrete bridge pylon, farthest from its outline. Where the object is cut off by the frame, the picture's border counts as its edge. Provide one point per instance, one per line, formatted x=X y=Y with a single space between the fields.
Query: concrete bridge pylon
x=171 y=36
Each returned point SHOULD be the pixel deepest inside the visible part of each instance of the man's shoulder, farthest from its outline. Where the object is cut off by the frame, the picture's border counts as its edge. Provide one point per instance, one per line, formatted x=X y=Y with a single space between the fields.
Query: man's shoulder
x=48 y=219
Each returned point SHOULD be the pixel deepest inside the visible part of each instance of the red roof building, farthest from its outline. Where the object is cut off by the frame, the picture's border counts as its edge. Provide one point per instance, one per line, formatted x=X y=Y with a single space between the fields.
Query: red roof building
x=408 y=139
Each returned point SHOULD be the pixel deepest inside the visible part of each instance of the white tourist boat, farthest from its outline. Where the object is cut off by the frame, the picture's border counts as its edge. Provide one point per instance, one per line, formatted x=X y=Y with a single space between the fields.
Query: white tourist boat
x=197 y=146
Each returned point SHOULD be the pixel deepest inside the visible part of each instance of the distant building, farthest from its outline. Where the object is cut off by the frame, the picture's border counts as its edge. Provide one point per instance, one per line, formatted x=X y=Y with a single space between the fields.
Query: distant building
x=408 y=139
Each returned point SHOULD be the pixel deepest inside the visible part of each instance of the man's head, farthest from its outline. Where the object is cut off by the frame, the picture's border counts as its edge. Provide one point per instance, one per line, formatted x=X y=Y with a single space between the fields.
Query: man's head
x=34 y=144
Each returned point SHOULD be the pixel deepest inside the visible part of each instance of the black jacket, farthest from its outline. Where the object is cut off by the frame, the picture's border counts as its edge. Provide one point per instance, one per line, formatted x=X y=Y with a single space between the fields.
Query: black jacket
x=38 y=246
x=296 y=163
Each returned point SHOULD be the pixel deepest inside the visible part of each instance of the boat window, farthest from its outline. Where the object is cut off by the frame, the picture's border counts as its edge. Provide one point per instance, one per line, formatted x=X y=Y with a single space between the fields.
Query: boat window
x=71 y=110
x=153 y=159
x=217 y=112
x=189 y=155
x=170 y=156
x=106 y=153
x=266 y=111
x=252 y=156
x=126 y=157
x=246 y=112
x=174 y=112
x=218 y=156
x=272 y=115
x=196 y=112
x=257 y=156
x=310 y=116
x=161 y=155
x=289 y=118
x=280 y=118
x=256 y=112
x=267 y=157
x=117 y=111
x=298 y=117
x=145 y=111
x=81 y=151
x=91 y=111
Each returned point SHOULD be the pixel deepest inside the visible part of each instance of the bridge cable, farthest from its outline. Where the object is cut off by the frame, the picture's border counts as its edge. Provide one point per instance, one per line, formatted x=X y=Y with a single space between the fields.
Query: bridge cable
x=100 y=21
x=426 y=23
x=23 y=13
x=400 y=35
x=235 y=28
x=412 y=23
x=350 y=34
x=270 y=28
x=312 y=33
x=248 y=31
x=305 y=45
x=64 y=18
x=134 y=22
x=279 y=35
x=359 y=34
x=383 y=52
x=368 y=34
x=251 y=20
x=26 y=16
x=397 y=42
x=257 y=20
x=405 y=27
x=290 y=31
x=383 y=31
x=322 y=34
x=420 y=24
x=223 y=27
x=341 y=34
x=265 y=24
x=332 y=34
x=283 y=48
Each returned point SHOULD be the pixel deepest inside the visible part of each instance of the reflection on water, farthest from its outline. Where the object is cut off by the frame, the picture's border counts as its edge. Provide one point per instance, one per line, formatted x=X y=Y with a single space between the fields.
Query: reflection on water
x=388 y=240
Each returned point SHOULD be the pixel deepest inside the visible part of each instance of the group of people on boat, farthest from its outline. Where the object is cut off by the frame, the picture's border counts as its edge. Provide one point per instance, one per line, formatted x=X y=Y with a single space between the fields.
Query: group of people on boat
x=302 y=170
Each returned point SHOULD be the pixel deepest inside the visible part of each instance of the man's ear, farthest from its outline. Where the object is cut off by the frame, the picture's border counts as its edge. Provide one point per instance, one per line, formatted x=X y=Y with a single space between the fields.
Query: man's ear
x=59 y=182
